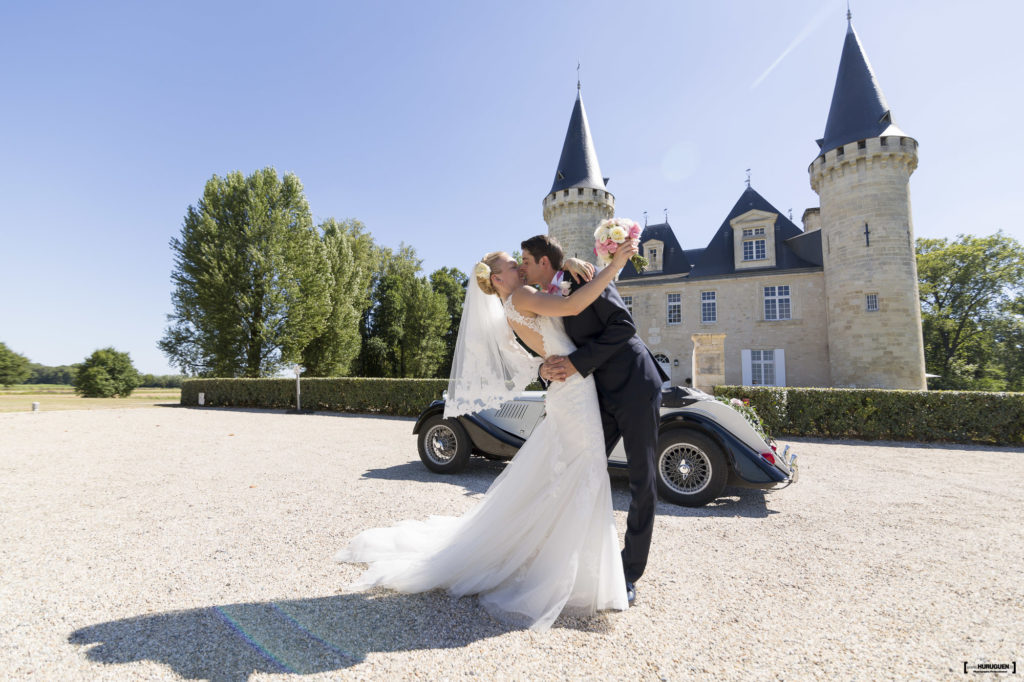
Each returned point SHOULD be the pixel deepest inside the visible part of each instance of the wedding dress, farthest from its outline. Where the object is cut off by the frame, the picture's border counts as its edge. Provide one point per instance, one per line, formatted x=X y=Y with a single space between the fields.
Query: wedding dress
x=542 y=541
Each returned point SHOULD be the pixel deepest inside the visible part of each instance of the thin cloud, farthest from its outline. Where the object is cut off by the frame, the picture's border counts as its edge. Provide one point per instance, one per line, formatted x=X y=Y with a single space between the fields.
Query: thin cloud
x=813 y=24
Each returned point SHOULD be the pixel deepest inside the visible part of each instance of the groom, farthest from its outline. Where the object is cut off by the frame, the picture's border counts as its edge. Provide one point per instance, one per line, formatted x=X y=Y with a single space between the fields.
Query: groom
x=628 y=389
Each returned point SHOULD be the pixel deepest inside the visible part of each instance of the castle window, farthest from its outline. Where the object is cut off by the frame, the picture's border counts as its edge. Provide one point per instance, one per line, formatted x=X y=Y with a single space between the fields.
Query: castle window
x=675 y=309
x=565 y=192
x=762 y=367
x=594 y=191
x=628 y=300
x=754 y=249
x=862 y=144
x=885 y=141
x=580 y=191
x=653 y=250
x=708 y=307
x=840 y=151
x=872 y=301
x=777 y=303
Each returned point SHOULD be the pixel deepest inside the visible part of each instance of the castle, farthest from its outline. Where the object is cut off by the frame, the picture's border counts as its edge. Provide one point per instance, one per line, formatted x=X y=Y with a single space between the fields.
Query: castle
x=766 y=302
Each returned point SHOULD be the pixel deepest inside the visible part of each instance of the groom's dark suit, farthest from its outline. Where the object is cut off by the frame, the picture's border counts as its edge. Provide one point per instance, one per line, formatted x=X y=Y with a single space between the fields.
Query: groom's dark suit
x=629 y=383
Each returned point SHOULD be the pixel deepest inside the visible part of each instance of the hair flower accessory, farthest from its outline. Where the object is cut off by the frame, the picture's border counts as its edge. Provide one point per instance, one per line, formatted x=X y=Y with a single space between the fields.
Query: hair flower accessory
x=612 y=232
x=482 y=270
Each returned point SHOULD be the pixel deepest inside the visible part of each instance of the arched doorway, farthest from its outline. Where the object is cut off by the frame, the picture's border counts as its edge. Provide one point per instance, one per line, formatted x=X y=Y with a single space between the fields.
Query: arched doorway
x=666 y=365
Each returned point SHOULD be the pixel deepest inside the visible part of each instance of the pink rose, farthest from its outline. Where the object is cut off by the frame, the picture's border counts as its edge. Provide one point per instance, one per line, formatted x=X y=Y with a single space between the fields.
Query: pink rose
x=613 y=247
x=634 y=231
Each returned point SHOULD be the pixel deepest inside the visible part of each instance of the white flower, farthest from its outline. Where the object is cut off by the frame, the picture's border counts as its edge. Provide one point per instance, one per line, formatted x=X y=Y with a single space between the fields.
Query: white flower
x=565 y=287
x=482 y=270
x=618 y=234
x=601 y=233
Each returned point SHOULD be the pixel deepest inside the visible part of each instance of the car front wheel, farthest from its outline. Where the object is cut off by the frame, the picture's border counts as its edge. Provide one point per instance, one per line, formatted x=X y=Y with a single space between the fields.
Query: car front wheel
x=692 y=469
x=443 y=445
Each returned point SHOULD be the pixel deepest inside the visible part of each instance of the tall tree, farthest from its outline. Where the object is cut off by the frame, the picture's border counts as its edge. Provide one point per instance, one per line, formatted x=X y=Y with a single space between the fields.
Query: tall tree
x=251 y=278
x=404 y=327
x=422 y=347
x=352 y=257
x=451 y=283
x=966 y=288
x=14 y=367
x=1009 y=334
x=105 y=374
x=383 y=324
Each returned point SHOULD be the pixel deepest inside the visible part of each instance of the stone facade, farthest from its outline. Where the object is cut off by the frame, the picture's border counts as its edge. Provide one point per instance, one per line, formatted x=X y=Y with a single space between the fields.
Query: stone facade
x=740 y=316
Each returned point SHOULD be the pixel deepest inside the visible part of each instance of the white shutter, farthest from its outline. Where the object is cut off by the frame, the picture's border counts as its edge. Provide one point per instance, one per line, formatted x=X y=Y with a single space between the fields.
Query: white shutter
x=745 y=360
x=780 y=367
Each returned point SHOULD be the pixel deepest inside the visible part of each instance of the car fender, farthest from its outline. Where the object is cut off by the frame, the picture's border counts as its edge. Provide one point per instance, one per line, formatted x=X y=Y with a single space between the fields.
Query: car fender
x=746 y=463
x=432 y=409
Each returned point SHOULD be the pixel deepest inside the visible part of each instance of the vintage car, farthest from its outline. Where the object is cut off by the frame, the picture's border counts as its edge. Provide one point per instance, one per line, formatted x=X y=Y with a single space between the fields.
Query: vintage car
x=703 y=445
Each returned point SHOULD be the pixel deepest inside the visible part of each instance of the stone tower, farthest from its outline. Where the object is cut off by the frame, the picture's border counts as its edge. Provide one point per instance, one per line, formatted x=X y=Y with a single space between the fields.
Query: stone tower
x=862 y=176
x=578 y=199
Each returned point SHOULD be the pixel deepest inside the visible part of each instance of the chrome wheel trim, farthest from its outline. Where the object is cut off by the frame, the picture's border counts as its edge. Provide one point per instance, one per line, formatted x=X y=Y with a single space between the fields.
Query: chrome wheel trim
x=440 y=444
x=674 y=460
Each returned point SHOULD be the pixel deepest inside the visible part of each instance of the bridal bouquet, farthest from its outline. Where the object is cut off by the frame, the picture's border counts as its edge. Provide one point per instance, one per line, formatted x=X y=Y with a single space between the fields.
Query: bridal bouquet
x=613 y=232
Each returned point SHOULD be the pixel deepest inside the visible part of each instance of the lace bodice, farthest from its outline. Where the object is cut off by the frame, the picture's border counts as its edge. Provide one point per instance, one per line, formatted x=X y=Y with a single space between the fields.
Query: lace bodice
x=551 y=329
x=515 y=316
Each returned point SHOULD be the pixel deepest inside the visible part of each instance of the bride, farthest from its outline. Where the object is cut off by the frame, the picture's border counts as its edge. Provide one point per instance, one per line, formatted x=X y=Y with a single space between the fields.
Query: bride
x=542 y=541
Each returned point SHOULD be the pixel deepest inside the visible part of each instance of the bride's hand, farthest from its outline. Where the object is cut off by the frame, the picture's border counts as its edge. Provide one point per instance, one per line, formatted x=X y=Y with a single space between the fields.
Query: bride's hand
x=625 y=251
x=579 y=269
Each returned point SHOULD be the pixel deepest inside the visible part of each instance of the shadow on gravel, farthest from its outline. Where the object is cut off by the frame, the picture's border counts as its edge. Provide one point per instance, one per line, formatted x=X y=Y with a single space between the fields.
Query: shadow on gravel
x=274 y=410
x=480 y=473
x=306 y=636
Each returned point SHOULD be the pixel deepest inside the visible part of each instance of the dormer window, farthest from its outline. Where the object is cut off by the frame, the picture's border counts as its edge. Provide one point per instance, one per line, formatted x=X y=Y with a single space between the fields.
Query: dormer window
x=754 y=244
x=753 y=235
x=654 y=251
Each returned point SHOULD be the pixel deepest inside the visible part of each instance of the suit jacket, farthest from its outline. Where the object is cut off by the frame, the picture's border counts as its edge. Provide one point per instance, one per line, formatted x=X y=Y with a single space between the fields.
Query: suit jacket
x=608 y=347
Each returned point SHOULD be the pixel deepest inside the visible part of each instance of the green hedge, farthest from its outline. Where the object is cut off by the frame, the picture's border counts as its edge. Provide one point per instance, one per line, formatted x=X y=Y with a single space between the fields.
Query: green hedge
x=406 y=397
x=873 y=414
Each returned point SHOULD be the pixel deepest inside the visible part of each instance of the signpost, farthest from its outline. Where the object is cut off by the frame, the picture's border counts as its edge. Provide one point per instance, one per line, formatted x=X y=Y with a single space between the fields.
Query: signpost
x=298 y=388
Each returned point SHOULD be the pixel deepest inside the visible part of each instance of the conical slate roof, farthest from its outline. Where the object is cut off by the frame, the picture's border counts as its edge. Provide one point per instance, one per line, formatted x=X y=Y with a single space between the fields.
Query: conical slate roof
x=578 y=165
x=859 y=109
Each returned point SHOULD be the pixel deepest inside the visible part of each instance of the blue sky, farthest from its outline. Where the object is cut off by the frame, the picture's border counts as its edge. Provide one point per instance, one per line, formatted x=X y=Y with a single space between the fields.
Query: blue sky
x=440 y=125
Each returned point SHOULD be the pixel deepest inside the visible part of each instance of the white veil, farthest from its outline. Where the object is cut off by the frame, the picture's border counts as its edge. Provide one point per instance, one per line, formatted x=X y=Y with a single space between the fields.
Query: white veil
x=489 y=367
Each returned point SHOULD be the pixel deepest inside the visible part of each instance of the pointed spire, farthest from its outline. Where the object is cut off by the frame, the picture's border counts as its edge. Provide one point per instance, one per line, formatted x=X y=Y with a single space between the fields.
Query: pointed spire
x=578 y=165
x=859 y=109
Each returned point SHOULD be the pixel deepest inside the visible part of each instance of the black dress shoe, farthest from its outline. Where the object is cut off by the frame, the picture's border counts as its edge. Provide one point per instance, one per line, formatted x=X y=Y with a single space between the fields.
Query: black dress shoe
x=630 y=592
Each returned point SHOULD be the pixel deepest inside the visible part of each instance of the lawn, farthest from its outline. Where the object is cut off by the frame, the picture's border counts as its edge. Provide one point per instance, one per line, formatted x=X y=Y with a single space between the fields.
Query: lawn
x=19 y=398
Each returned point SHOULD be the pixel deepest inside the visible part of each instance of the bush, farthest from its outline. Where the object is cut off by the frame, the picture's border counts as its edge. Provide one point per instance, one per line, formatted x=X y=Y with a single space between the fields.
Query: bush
x=405 y=397
x=873 y=414
x=105 y=374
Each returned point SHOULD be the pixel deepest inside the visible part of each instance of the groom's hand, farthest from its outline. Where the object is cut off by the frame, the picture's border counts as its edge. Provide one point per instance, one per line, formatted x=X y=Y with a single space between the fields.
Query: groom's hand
x=561 y=365
x=549 y=372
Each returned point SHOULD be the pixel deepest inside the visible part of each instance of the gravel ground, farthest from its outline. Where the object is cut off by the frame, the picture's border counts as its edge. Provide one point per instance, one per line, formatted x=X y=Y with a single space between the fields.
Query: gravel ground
x=169 y=543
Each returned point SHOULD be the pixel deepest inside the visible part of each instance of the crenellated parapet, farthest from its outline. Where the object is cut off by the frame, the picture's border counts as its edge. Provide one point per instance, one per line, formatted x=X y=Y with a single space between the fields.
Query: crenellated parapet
x=895 y=153
x=572 y=216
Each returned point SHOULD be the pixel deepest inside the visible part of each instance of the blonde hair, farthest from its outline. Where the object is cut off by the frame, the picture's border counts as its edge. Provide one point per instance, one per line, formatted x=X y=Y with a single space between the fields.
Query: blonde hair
x=483 y=270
